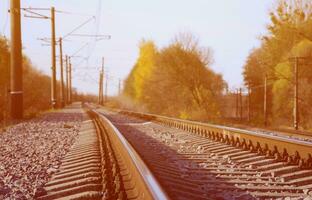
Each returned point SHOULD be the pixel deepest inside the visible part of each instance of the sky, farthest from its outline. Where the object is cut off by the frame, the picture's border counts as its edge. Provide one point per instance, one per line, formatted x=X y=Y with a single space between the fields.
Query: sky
x=231 y=28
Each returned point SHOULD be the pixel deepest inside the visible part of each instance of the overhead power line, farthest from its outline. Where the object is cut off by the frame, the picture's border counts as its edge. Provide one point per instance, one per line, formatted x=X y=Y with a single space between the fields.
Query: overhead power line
x=78 y=27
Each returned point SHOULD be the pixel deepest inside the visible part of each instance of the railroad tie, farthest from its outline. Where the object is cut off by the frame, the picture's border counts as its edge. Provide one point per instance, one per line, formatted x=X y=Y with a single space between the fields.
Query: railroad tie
x=79 y=176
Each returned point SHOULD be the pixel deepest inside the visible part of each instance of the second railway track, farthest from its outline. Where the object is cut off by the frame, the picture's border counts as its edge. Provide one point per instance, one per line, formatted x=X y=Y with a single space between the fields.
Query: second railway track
x=195 y=166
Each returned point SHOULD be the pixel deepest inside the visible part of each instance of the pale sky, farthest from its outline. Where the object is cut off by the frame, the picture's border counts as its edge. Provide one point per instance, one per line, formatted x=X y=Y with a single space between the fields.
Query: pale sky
x=229 y=27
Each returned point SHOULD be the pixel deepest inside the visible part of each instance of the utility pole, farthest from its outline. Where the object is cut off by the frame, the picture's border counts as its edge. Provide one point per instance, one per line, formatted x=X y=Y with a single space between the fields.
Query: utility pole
x=106 y=85
x=119 y=87
x=241 y=104
x=100 y=88
x=296 y=109
x=249 y=103
x=53 y=78
x=265 y=114
x=62 y=93
x=53 y=43
x=102 y=81
x=16 y=70
x=69 y=82
x=67 y=79
x=236 y=106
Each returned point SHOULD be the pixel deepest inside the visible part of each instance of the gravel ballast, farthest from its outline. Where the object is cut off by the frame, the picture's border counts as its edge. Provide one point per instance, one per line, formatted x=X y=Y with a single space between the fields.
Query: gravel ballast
x=30 y=152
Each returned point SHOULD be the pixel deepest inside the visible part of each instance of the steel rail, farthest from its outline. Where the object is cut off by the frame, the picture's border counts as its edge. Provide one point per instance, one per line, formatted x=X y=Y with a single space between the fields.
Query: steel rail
x=145 y=184
x=290 y=150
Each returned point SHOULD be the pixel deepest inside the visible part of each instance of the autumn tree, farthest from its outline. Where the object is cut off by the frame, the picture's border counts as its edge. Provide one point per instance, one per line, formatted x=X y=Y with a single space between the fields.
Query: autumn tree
x=36 y=85
x=179 y=81
x=4 y=77
x=141 y=72
x=289 y=34
x=284 y=86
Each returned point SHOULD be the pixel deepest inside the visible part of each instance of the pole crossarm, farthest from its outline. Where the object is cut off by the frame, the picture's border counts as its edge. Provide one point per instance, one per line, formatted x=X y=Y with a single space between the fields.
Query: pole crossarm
x=31 y=8
x=47 y=40
x=36 y=15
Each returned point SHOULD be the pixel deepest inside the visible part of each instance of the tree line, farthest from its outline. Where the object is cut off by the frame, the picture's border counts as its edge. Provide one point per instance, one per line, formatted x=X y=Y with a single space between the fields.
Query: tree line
x=176 y=80
x=36 y=86
x=287 y=43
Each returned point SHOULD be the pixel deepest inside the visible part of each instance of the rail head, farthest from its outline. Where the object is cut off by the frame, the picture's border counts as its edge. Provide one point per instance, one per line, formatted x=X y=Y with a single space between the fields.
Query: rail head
x=152 y=189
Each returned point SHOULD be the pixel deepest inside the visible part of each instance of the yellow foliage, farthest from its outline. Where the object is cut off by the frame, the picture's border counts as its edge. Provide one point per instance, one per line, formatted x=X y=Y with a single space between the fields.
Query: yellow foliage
x=176 y=80
x=143 y=68
x=184 y=115
x=282 y=104
x=302 y=49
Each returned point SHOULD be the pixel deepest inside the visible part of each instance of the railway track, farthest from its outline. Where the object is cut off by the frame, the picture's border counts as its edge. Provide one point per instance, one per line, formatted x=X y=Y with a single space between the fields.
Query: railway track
x=199 y=161
x=127 y=155
x=101 y=165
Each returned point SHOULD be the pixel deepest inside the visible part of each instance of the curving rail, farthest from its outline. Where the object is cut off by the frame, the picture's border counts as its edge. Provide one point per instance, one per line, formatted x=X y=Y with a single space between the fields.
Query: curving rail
x=138 y=181
x=292 y=151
